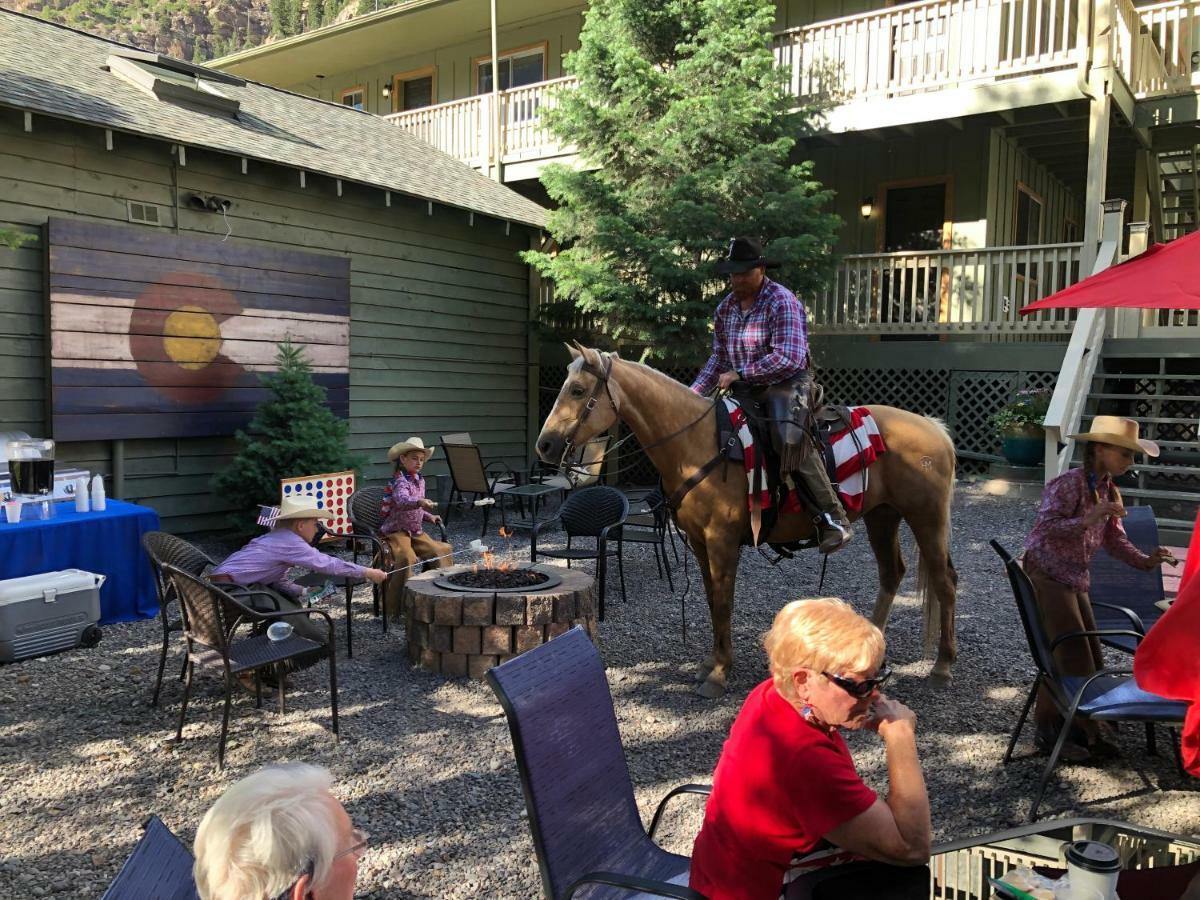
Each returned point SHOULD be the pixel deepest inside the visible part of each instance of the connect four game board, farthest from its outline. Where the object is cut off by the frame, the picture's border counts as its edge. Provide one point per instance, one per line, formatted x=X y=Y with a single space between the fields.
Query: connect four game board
x=332 y=492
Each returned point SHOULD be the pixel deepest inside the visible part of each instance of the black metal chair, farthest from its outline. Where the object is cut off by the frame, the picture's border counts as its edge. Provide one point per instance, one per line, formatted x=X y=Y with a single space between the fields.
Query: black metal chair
x=211 y=618
x=1110 y=695
x=1122 y=596
x=649 y=522
x=469 y=476
x=159 y=868
x=595 y=512
x=587 y=832
x=163 y=548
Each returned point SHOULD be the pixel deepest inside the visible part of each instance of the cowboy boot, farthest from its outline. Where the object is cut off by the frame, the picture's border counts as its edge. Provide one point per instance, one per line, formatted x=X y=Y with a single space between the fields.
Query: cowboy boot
x=832 y=534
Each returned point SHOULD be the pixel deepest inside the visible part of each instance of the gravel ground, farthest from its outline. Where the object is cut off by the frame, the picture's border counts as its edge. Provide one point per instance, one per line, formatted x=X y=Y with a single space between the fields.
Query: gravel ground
x=425 y=765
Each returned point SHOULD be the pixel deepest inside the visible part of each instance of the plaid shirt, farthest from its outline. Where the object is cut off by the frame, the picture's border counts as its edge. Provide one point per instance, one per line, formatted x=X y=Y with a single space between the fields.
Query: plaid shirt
x=401 y=507
x=766 y=345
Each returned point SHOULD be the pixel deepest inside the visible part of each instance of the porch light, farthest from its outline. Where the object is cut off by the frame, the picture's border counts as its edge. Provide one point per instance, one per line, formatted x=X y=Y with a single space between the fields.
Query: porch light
x=867 y=207
x=386 y=90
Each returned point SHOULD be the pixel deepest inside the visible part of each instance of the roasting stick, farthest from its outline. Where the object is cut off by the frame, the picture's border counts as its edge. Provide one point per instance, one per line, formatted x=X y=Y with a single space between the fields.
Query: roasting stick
x=476 y=546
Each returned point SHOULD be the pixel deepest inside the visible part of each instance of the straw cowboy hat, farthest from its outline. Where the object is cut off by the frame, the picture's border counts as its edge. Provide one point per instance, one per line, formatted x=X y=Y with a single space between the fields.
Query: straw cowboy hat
x=744 y=254
x=413 y=443
x=1118 y=432
x=301 y=508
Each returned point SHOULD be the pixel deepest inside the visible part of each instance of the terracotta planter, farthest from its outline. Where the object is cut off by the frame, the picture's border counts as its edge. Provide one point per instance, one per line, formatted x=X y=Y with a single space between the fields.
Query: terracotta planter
x=1024 y=445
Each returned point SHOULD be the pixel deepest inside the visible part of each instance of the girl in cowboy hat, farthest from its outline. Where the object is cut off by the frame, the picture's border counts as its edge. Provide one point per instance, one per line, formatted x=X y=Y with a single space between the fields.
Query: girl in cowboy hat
x=1081 y=510
x=405 y=510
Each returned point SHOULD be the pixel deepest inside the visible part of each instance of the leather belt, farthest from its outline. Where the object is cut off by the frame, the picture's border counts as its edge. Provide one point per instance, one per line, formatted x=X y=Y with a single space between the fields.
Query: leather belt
x=222 y=579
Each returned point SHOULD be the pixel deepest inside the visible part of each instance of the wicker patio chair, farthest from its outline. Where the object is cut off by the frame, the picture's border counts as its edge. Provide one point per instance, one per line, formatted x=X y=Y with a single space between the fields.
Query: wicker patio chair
x=595 y=512
x=1122 y=596
x=160 y=867
x=587 y=832
x=211 y=619
x=1109 y=695
x=163 y=548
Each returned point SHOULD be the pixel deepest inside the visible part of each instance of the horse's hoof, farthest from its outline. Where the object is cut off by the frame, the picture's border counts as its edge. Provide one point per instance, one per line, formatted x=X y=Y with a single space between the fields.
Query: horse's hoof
x=711 y=688
x=940 y=678
x=705 y=669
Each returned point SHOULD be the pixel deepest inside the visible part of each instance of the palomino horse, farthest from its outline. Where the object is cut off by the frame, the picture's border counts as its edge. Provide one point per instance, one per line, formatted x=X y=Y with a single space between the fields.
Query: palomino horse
x=913 y=481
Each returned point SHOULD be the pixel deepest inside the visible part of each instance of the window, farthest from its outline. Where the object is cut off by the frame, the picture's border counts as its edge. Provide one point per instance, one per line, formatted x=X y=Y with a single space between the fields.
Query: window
x=354 y=97
x=175 y=81
x=1029 y=216
x=415 y=89
x=1070 y=231
x=517 y=68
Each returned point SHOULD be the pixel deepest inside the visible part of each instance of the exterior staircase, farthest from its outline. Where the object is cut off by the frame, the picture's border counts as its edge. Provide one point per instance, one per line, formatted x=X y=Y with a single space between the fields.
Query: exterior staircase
x=1155 y=382
x=1179 y=192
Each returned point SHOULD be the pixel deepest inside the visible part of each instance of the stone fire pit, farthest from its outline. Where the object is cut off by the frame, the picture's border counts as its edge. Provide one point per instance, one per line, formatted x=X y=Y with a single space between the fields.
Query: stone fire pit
x=459 y=626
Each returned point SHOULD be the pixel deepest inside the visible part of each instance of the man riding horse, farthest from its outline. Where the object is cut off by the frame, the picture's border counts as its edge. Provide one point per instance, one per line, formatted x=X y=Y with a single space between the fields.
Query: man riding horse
x=760 y=337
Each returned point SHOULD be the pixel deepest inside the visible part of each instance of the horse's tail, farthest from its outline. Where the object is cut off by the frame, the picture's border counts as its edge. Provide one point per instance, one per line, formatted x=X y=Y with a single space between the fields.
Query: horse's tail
x=931 y=625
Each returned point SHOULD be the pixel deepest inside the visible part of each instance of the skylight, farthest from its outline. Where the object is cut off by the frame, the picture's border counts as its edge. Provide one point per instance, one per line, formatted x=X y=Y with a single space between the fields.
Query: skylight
x=175 y=81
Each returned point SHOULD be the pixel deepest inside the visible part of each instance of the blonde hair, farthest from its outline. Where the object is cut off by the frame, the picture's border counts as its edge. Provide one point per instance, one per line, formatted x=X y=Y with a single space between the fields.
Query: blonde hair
x=825 y=635
x=264 y=831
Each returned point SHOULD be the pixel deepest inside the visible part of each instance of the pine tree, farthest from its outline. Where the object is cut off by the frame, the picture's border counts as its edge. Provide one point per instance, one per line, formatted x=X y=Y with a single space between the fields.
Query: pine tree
x=684 y=120
x=296 y=12
x=293 y=433
x=281 y=17
x=319 y=12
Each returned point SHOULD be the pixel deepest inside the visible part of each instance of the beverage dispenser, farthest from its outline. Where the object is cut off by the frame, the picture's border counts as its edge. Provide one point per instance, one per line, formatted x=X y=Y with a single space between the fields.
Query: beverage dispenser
x=30 y=468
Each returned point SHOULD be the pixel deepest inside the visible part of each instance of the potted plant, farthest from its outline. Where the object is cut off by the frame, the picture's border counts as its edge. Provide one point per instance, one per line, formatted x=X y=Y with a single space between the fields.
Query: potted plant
x=1019 y=426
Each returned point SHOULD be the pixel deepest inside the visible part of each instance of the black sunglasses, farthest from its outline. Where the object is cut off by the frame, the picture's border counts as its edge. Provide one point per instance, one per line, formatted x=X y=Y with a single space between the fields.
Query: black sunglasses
x=863 y=688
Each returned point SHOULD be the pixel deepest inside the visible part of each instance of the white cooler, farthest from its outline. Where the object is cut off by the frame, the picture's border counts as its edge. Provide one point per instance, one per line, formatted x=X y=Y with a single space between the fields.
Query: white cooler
x=48 y=613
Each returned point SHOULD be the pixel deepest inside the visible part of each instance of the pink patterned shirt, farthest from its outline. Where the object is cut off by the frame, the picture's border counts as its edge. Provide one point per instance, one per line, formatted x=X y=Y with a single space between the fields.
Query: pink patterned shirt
x=401 y=506
x=1061 y=545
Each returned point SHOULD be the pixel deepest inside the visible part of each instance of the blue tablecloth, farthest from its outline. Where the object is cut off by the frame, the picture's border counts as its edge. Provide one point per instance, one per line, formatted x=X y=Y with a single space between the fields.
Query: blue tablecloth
x=108 y=543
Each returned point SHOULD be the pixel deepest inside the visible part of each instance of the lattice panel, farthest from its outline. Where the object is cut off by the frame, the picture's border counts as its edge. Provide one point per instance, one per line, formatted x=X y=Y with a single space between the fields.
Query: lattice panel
x=974 y=396
x=923 y=391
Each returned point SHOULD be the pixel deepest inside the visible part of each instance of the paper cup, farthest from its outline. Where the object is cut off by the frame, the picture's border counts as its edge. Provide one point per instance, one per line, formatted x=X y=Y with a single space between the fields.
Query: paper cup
x=12 y=512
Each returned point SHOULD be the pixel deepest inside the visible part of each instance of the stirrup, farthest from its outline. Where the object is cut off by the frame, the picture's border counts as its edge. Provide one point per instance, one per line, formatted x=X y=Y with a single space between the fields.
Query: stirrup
x=834 y=534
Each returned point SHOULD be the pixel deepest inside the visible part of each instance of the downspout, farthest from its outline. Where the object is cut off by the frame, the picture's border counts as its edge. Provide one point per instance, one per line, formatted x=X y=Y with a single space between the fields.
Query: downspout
x=495 y=124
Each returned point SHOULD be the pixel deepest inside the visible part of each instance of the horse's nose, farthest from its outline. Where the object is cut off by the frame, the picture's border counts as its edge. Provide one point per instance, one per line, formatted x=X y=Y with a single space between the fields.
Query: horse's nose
x=550 y=448
x=544 y=446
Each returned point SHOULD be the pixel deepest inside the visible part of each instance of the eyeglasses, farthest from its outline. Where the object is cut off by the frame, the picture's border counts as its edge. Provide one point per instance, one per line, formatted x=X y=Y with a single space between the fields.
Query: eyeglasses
x=361 y=839
x=861 y=689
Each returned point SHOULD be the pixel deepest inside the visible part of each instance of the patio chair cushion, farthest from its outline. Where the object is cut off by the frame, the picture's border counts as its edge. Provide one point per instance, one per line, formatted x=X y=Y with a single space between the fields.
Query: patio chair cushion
x=1118 y=697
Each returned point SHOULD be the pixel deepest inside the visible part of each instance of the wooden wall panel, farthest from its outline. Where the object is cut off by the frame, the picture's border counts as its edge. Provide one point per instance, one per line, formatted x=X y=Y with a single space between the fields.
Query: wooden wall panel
x=438 y=328
x=158 y=335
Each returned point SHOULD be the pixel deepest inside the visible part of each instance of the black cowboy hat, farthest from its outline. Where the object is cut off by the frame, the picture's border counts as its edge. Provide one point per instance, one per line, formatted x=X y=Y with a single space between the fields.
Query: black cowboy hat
x=744 y=254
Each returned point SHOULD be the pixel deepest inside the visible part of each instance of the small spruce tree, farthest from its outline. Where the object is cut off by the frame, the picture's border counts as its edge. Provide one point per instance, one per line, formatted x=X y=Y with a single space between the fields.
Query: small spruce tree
x=293 y=433
x=687 y=129
x=281 y=17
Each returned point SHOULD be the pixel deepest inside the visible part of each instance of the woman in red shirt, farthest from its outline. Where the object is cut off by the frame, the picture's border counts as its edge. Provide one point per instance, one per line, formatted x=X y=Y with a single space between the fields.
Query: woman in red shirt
x=786 y=789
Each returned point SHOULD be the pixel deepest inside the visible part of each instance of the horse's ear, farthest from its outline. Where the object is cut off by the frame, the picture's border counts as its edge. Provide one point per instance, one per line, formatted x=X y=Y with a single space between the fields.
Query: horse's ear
x=575 y=353
x=614 y=354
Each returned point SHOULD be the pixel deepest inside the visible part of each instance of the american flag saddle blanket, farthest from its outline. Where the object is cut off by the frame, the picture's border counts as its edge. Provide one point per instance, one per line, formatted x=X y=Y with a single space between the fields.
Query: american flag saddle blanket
x=853 y=448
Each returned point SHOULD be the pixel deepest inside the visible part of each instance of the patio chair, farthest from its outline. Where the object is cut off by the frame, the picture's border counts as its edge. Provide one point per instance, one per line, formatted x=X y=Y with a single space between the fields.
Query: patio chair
x=1110 y=695
x=1122 y=596
x=587 y=832
x=584 y=473
x=211 y=619
x=649 y=523
x=162 y=548
x=469 y=476
x=159 y=868
x=596 y=512
x=366 y=520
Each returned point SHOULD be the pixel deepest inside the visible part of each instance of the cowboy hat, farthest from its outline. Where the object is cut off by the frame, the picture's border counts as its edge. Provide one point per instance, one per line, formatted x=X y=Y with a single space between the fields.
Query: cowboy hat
x=301 y=508
x=413 y=443
x=744 y=254
x=1119 y=432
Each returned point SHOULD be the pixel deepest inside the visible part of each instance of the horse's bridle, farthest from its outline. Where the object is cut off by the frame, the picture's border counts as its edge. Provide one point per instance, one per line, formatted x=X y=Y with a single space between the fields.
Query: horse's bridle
x=601 y=376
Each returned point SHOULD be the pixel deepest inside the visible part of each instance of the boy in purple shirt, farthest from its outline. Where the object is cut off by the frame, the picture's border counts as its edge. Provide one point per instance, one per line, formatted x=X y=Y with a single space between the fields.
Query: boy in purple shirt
x=405 y=510
x=265 y=561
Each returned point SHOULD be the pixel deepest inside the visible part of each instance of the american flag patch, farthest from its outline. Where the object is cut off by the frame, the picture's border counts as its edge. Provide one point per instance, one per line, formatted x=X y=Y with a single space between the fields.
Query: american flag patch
x=267 y=516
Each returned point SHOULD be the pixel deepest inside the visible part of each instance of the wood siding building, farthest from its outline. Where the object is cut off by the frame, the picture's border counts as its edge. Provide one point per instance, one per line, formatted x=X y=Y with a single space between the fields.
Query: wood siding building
x=439 y=331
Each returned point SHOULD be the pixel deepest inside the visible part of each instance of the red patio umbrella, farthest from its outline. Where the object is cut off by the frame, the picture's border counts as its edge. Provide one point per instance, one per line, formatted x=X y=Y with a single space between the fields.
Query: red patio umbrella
x=1166 y=276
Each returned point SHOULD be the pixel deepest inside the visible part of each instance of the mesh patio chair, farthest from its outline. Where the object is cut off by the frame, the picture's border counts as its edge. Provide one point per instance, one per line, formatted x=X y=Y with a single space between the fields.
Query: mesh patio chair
x=1110 y=695
x=211 y=619
x=469 y=476
x=160 y=868
x=587 y=832
x=1122 y=596
x=366 y=520
x=649 y=522
x=596 y=512
x=584 y=473
x=163 y=548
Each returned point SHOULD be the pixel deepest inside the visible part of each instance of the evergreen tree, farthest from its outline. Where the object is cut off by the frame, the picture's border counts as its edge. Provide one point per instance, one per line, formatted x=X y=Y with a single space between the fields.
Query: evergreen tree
x=296 y=12
x=292 y=433
x=684 y=120
x=281 y=17
x=319 y=12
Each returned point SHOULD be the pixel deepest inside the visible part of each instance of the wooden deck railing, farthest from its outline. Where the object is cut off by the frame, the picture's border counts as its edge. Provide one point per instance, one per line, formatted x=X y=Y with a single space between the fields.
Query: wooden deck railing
x=1171 y=45
x=928 y=46
x=939 y=291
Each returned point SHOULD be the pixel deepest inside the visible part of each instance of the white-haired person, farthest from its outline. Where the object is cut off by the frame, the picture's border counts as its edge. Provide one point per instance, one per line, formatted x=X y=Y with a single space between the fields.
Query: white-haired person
x=279 y=833
x=787 y=800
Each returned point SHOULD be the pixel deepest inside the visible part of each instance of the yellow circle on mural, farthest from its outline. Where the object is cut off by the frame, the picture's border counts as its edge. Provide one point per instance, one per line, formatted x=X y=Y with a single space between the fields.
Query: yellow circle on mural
x=192 y=337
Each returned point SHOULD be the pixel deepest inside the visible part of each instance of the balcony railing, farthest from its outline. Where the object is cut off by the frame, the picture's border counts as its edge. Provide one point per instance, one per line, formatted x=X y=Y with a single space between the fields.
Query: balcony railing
x=929 y=46
x=940 y=291
x=1159 y=46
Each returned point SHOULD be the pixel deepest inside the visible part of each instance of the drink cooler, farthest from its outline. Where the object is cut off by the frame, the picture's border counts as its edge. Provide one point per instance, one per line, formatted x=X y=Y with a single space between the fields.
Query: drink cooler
x=49 y=613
